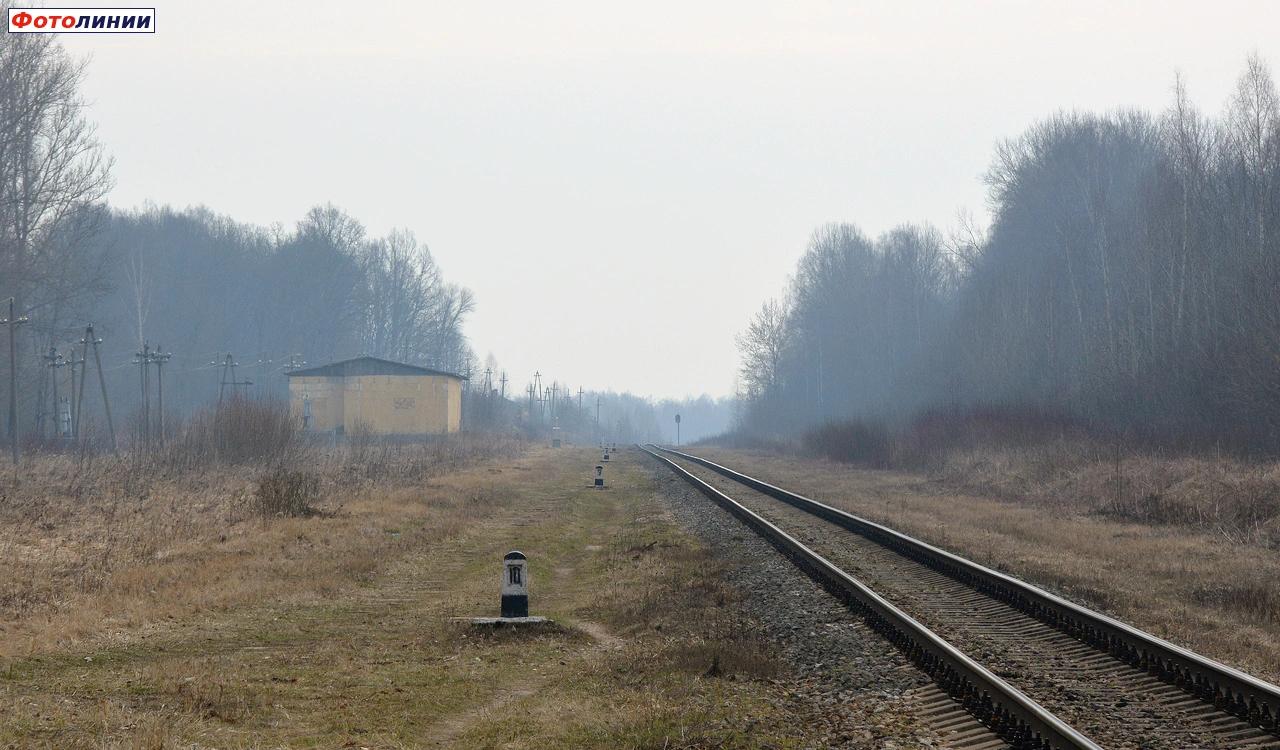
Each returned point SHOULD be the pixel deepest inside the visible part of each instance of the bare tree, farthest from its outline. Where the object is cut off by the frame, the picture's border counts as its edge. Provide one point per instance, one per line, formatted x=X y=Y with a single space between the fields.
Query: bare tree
x=761 y=346
x=53 y=178
x=1254 y=122
x=51 y=164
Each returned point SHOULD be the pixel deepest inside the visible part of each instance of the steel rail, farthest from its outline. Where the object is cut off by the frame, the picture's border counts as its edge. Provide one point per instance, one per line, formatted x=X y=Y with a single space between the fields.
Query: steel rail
x=1227 y=688
x=1006 y=710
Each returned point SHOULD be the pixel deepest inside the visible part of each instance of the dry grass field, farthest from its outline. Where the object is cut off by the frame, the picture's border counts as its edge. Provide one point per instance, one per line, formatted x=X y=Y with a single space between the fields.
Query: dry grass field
x=152 y=611
x=315 y=602
x=1183 y=549
x=98 y=544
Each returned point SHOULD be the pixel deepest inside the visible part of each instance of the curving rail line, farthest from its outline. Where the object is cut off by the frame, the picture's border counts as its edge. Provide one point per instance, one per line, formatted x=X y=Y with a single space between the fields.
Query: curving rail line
x=1006 y=710
x=1228 y=689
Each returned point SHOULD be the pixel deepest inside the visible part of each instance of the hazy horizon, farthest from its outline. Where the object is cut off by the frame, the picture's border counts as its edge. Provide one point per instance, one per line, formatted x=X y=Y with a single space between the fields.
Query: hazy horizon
x=564 y=163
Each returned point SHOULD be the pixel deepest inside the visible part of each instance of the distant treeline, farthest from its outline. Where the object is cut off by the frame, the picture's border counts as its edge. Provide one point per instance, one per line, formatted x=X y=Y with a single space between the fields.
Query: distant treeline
x=623 y=418
x=1130 y=278
x=195 y=283
x=202 y=286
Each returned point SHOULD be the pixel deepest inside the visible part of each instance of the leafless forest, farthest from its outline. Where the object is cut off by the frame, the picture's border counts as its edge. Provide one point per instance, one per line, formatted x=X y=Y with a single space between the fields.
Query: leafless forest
x=192 y=282
x=202 y=286
x=1126 y=286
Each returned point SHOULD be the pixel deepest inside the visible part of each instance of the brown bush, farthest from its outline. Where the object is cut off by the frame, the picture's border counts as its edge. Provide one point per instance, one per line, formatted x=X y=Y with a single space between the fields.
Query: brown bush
x=855 y=441
x=926 y=441
x=742 y=440
x=286 y=493
x=933 y=434
x=239 y=431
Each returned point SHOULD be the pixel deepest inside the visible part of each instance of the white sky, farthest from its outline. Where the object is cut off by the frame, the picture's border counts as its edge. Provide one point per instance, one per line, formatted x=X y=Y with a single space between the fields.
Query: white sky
x=622 y=185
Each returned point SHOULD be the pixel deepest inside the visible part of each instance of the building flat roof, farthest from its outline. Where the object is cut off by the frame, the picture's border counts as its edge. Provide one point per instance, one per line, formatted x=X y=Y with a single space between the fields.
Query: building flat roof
x=368 y=366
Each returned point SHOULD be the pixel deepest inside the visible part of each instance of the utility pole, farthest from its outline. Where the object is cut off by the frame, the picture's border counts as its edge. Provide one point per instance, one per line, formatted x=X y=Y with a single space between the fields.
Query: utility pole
x=12 y=322
x=55 y=361
x=229 y=366
x=84 y=375
x=73 y=405
x=579 y=398
x=464 y=413
x=537 y=392
x=143 y=360
x=597 y=417
x=77 y=411
x=503 y=381
x=102 y=381
x=264 y=365
x=160 y=358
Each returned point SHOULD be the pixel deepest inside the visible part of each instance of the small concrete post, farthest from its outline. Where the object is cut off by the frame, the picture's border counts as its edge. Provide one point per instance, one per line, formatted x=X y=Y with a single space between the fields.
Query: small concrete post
x=599 y=476
x=605 y=456
x=515 y=585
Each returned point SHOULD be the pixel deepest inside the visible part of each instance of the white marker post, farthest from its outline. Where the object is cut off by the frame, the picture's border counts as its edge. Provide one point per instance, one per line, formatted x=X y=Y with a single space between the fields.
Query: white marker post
x=515 y=596
x=599 y=476
x=515 y=585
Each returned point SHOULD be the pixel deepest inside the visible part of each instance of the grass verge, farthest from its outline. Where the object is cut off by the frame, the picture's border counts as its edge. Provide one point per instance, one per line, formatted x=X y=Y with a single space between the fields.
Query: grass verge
x=367 y=651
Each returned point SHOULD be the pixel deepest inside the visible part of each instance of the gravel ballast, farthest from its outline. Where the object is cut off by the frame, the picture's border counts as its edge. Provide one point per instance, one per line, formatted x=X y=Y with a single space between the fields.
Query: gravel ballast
x=859 y=689
x=1110 y=702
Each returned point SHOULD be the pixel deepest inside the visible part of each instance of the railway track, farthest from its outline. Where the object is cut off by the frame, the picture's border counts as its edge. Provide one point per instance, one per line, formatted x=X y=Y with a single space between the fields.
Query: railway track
x=1050 y=665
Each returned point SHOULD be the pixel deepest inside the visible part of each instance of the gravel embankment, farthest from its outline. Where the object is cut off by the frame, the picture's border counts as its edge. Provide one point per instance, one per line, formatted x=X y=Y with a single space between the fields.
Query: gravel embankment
x=1108 y=701
x=856 y=686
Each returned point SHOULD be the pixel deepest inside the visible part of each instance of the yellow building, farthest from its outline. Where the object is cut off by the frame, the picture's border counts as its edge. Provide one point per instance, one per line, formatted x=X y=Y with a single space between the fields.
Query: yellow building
x=383 y=397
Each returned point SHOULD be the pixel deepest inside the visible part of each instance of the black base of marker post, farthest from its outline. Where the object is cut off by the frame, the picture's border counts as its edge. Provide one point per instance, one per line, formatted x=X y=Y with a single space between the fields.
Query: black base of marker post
x=515 y=606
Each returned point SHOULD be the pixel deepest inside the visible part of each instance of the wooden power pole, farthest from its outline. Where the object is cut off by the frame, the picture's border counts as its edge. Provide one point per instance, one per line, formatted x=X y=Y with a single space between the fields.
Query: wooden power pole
x=143 y=360
x=55 y=361
x=88 y=341
x=160 y=358
x=73 y=405
x=12 y=322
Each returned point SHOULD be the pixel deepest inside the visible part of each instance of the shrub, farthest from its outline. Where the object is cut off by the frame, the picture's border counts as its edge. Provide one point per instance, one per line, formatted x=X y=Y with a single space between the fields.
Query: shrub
x=239 y=431
x=744 y=440
x=936 y=432
x=286 y=493
x=854 y=441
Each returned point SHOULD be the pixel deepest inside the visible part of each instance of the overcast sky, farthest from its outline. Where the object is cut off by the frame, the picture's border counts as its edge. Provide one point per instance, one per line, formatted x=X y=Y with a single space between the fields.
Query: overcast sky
x=622 y=184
